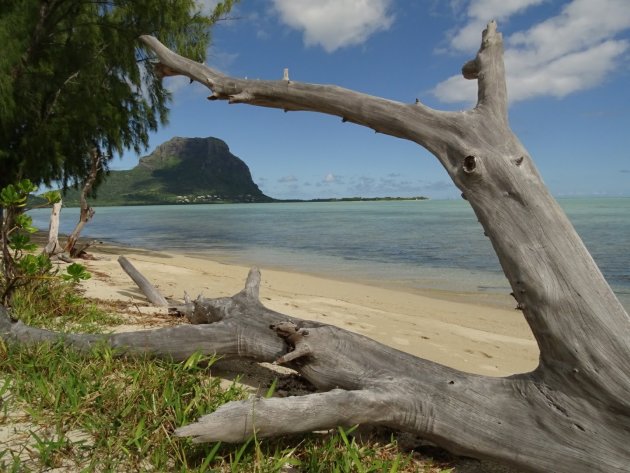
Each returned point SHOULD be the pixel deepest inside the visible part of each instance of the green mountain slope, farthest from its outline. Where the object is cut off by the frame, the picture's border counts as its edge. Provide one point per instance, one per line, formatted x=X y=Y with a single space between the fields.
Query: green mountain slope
x=181 y=170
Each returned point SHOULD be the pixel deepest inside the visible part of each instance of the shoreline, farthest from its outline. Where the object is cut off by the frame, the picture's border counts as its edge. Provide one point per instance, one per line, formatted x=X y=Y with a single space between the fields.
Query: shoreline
x=494 y=297
x=461 y=330
x=418 y=258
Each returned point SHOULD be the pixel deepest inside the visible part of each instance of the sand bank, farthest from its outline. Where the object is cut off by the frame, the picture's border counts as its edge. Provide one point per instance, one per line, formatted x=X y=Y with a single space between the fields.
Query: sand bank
x=458 y=330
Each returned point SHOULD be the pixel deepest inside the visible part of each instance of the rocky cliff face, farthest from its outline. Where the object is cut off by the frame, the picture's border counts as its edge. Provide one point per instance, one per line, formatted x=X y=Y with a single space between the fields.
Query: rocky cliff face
x=182 y=170
x=195 y=167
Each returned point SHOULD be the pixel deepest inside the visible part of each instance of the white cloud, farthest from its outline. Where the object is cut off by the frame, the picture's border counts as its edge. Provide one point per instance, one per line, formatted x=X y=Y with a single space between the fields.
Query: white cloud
x=288 y=179
x=334 y=24
x=580 y=24
x=221 y=60
x=572 y=51
x=206 y=7
x=176 y=84
x=566 y=74
x=479 y=13
x=395 y=185
x=329 y=178
x=456 y=89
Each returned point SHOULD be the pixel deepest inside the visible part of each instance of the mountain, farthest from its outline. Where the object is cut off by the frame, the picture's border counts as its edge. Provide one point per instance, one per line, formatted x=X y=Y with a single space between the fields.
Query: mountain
x=181 y=170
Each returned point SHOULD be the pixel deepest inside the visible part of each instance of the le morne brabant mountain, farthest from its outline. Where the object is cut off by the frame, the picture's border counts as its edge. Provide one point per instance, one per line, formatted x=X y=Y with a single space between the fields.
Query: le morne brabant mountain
x=180 y=171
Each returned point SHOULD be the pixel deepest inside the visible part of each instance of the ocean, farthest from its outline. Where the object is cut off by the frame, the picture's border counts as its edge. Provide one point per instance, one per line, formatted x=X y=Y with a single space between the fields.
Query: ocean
x=417 y=245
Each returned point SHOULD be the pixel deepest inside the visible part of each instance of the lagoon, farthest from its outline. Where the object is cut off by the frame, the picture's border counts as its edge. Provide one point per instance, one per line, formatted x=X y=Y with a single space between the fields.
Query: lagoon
x=417 y=245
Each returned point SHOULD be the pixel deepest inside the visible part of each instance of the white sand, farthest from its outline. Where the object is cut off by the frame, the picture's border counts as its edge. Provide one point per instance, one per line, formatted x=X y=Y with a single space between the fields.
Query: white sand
x=469 y=335
x=458 y=330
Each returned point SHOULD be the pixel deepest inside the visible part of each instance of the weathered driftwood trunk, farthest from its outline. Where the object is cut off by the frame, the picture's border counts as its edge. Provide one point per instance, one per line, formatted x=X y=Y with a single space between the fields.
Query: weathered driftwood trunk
x=151 y=293
x=572 y=414
x=53 y=247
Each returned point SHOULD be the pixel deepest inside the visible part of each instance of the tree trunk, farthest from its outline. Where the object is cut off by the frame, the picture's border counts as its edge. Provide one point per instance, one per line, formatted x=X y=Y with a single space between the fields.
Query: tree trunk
x=53 y=247
x=571 y=414
x=5 y=216
x=86 y=212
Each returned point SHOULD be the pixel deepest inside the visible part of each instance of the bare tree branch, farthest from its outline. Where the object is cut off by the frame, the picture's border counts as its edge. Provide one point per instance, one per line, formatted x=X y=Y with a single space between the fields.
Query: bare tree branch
x=415 y=122
x=581 y=327
x=488 y=69
x=53 y=247
x=87 y=212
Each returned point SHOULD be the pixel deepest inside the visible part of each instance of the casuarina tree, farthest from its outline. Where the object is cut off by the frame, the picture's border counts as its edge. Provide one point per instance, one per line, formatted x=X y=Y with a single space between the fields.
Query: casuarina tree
x=74 y=81
x=75 y=89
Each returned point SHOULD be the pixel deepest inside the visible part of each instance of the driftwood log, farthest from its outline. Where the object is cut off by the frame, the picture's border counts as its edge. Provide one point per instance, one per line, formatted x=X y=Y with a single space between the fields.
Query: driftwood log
x=523 y=420
x=571 y=414
x=152 y=294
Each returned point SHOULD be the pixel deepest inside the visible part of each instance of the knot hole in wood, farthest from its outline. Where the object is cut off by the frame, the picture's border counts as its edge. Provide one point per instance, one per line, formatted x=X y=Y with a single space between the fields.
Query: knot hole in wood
x=470 y=164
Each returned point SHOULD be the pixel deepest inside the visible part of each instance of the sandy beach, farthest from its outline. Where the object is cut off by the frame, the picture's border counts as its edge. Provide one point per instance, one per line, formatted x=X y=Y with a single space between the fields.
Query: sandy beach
x=462 y=330
x=459 y=330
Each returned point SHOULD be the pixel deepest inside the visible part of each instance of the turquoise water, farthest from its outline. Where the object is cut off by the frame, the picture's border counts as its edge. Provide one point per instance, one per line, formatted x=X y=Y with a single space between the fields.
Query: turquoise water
x=418 y=244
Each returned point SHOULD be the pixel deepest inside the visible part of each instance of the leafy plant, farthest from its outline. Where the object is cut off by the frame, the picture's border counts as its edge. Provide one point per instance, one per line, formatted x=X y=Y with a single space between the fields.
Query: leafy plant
x=75 y=273
x=20 y=267
x=16 y=195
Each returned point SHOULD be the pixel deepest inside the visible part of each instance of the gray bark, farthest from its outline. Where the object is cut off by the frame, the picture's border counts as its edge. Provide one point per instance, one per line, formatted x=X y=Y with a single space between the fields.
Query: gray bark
x=571 y=414
x=149 y=290
x=53 y=247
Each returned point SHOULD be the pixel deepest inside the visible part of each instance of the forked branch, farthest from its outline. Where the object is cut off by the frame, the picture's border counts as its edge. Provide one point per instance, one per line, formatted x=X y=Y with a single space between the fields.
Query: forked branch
x=488 y=69
x=541 y=254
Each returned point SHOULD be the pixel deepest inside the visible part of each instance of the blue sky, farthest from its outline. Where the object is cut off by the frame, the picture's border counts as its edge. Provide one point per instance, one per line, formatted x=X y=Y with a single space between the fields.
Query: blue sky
x=568 y=66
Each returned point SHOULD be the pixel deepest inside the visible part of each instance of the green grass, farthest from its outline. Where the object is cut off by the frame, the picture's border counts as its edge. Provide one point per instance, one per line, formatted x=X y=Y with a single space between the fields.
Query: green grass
x=106 y=413
x=128 y=408
x=56 y=305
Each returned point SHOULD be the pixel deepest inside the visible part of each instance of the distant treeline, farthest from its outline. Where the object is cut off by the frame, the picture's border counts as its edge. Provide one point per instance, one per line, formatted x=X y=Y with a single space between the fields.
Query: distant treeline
x=355 y=199
x=35 y=201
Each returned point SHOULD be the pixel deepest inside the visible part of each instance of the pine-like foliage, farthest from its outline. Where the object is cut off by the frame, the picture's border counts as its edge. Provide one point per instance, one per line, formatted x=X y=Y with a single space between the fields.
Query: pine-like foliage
x=73 y=77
